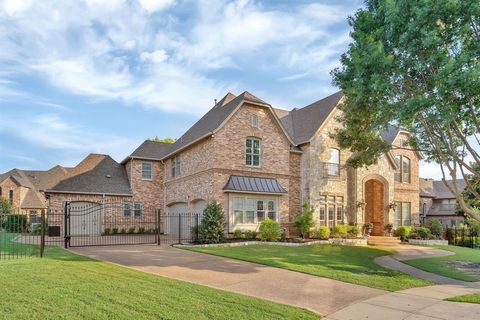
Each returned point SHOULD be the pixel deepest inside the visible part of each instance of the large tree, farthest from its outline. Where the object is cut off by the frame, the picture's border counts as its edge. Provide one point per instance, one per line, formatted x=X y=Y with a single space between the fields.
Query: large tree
x=415 y=64
x=165 y=140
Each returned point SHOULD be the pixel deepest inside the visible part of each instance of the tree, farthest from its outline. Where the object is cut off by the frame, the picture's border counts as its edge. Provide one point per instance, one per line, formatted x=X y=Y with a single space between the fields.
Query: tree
x=474 y=183
x=166 y=140
x=414 y=64
x=304 y=220
x=5 y=207
x=212 y=227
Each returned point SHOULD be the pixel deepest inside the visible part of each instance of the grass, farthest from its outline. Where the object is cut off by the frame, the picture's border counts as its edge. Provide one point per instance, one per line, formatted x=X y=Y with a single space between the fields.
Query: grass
x=67 y=286
x=450 y=266
x=345 y=263
x=469 y=298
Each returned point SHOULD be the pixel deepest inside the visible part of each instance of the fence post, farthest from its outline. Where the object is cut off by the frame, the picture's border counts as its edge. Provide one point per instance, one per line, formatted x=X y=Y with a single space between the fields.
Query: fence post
x=180 y=228
x=197 y=227
x=65 y=224
x=158 y=226
x=42 y=236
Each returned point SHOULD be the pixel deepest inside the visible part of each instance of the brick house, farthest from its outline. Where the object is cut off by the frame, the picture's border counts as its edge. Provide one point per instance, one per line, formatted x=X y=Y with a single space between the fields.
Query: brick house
x=24 y=189
x=438 y=202
x=258 y=162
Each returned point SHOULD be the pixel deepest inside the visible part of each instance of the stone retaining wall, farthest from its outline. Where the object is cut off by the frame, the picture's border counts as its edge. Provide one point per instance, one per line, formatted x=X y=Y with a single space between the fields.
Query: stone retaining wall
x=346 y=242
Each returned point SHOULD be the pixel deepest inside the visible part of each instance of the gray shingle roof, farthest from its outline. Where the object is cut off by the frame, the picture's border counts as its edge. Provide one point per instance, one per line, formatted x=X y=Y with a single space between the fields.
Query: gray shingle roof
x=254 y=184
x=151 y=150
x=98 y=174
x=213 y=119
x=303 y=123
x=437 y=189
x=390 y=134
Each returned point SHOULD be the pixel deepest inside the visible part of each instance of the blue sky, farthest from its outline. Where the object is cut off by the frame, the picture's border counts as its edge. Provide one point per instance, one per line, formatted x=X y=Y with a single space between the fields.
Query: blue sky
x=103 y=75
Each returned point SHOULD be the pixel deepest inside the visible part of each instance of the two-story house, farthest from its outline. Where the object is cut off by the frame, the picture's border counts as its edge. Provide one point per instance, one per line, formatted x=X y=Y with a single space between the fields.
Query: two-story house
x=258 y=162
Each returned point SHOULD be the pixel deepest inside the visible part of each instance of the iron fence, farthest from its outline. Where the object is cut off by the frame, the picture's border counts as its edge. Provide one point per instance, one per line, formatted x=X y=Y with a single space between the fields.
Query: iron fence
x=20 y=238
x=179 y=228
x=464 y=237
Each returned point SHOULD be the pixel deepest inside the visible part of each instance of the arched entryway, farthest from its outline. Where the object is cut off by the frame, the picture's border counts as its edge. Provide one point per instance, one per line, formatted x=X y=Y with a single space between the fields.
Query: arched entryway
x=374 y=205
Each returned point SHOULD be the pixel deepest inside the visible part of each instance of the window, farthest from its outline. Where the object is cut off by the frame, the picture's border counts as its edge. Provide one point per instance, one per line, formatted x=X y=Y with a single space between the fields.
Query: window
x=252 y=210
x=402 y=173
x=406 y=213
x=333 y=163
x=253 y=152
x=402 y=215
x=176 y=166
x=147 y=170
x=10 y=196
x=397 y=215
x=406 y=170
x=127 y=209
x=340 y=212
x=322 y=210
x=137 y=209
x=254 y=121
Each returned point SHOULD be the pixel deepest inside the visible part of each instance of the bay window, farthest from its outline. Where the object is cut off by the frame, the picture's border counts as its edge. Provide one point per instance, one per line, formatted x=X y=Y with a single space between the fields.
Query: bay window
x=253 y=209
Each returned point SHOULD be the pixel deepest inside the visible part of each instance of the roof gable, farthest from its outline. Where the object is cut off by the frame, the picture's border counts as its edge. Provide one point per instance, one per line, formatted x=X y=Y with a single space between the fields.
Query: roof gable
x=150 y=150
x=302 y=124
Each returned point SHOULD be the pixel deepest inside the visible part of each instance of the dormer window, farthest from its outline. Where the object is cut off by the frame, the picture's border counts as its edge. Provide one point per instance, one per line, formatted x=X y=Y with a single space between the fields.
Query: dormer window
x=254 y=121
x=147 y=170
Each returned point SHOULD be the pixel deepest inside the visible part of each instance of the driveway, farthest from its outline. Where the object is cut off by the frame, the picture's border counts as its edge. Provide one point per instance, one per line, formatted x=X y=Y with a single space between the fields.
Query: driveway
x=321 y=295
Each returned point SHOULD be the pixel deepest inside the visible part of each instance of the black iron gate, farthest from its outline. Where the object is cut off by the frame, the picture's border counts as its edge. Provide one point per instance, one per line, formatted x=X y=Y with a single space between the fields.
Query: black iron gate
x=125 y=223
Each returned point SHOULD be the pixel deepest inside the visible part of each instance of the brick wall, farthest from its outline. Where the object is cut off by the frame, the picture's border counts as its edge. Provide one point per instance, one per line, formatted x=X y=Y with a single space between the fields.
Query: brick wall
x=149 y=192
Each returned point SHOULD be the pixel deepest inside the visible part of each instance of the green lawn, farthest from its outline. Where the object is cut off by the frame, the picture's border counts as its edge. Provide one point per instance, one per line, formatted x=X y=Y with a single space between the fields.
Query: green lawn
x=464 y=265
x=8 y=246
x=68 y=286
x=344 y=263
x=469 y=298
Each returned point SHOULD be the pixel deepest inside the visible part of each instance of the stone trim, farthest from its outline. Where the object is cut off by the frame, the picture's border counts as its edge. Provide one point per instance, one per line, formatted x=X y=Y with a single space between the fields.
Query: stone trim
x=338 y=241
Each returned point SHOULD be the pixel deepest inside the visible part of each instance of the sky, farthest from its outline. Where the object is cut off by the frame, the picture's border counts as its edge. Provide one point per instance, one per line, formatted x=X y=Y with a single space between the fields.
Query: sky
x=103 y=75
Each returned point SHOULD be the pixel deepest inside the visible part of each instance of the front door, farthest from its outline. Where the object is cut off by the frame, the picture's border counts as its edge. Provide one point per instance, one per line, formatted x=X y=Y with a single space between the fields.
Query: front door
x=374 y=208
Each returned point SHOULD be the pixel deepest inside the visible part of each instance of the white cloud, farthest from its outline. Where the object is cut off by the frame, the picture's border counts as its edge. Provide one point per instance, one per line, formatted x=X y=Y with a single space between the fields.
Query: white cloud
x=152 y=6
x=13 y=7
x=156 y=56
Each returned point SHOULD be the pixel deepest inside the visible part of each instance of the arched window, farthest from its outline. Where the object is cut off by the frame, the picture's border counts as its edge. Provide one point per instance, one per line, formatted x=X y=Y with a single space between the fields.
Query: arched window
x=333 y=162
x=398 y=172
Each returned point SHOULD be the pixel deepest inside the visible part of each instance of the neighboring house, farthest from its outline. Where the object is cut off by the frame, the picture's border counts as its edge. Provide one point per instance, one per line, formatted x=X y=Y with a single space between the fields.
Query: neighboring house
x=24 y=189
x=438 y=202
x=258 y=162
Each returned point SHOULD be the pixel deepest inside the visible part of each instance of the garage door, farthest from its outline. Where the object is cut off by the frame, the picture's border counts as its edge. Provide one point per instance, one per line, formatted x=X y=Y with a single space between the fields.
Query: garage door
x=85 y=219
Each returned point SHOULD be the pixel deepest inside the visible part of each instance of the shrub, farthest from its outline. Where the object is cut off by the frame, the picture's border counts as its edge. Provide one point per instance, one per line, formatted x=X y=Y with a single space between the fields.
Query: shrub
x=340 y=231
x=250 y=235
x=269 y=230
x=114 y=230
x=131 y=230
x=474 y=226
x=403 y=232
x=212 y=227
x=420 y=233
x=123 y=231
x=141 y=230
x=304 y=220
x=353 y=231
x=37 y=229
x=322 y=233
x=15 y=223
x=435 y=227
x=237 y=234
x=283 y=235
x=106 y=231
x=195 y=233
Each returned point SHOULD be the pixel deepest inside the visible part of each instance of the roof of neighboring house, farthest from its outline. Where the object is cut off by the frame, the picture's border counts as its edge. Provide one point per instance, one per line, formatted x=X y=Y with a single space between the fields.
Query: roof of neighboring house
x=214 y=118
x=302 y=124
x=437 y=189
x=150 y=150
x=36 y=181
x=253 y=184
x=96 y=174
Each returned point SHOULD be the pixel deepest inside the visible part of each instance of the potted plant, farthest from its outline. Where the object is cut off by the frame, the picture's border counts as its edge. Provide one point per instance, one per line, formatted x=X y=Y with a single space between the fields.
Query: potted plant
x=389 y=228
x=368 y=228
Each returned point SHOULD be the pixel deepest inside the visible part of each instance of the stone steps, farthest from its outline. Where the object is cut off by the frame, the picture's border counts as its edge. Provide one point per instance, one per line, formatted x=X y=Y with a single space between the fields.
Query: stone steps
x=383 y=241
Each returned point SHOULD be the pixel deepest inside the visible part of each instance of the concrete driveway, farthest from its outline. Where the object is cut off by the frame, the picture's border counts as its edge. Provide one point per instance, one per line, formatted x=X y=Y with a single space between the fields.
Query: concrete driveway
x=321 y=295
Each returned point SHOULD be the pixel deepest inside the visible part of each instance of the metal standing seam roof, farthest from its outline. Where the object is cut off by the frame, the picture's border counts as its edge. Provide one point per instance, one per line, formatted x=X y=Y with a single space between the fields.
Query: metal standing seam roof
x=253 y=184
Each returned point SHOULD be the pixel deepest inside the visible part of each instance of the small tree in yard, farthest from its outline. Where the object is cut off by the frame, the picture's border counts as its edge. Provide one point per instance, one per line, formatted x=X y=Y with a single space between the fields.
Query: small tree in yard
x=5 y=207
x=269 y=230
x=212 y=227
x=304 y=220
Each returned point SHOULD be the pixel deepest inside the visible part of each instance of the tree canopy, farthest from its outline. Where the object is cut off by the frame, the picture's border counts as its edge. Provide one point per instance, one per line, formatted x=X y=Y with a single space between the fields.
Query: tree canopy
x=165 y=140
x=414 y=64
